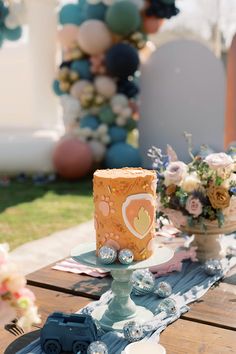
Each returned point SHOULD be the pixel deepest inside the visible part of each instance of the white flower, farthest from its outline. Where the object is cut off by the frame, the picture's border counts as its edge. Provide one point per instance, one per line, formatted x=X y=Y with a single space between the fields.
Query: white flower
x=232 y=179
x=191 y=182
x=222 y=163
x=175 y=173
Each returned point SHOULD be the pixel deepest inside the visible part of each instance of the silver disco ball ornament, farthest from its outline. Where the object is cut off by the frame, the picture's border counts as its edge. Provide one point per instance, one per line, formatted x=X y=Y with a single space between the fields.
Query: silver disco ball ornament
x=213 y=267
x=168 y=306
x=143 y=282
x=126 y=256
x=163 y=289
x=107 y=255
x=133 y=331
x=97 y=348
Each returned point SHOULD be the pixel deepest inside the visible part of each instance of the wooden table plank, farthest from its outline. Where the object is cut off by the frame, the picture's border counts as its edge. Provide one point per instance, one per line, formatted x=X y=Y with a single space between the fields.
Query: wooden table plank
x=75 y=284
x=48 y=301
x=217 y=306
x=187 y=337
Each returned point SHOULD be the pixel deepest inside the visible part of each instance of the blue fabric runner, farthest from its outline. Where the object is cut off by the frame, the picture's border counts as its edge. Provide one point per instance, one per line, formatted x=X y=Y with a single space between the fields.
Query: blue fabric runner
x=188 y=285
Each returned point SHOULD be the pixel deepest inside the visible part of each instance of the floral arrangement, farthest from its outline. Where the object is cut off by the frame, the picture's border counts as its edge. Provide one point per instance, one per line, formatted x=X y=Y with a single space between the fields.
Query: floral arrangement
x=198 y=192
x=16 y=300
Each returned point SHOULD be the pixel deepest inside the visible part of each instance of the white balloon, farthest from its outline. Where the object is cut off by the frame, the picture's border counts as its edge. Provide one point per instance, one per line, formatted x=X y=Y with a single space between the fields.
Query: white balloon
x=71 y=109
x=98 y=150
x=120 y=121
x=120 y=100
x=11 y=21
x=126 y=112
x=106 y=139
x=102 y=129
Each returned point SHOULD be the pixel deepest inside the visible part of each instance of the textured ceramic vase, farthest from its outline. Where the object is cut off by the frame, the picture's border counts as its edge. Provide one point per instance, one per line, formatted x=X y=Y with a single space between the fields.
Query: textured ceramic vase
x=208 y=242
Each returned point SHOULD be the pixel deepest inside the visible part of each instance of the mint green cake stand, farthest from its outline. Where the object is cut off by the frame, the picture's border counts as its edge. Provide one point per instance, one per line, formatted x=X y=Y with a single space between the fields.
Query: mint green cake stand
x=121 y=308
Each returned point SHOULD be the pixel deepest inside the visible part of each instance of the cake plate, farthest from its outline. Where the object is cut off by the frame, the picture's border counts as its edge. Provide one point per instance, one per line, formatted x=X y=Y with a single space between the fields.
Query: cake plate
x=121 y=308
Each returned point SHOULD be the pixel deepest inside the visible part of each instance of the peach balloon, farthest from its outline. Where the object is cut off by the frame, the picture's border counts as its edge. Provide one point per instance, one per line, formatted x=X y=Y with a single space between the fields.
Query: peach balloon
x=105 y=86
x=94 y=37
x=152 y=24
x=72 y=158
x=77 y=89
x=67 y=36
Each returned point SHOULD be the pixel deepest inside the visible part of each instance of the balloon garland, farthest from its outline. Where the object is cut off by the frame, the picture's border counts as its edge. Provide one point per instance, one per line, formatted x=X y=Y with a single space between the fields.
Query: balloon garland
x=101 y=40
x=10 y=21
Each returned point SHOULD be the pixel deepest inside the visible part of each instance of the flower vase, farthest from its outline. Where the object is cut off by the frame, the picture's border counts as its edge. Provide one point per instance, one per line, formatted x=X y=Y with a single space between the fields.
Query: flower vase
x=209 y=241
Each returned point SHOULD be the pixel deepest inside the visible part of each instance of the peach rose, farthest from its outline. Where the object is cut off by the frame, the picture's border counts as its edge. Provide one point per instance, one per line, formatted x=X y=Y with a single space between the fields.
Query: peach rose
x=175 y=173
x=193 y=206
x=176 y=217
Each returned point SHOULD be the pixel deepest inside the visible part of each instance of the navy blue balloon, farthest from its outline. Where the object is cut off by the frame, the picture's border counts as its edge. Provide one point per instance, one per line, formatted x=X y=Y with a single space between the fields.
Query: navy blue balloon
x=122 y=60
x=65 y=64
x=89 y=121
x=12 y=34
x=117 y=134
x=122 y=155
x=82 y=67
x=56 y=88
x=128 y=88
x=97 y=11
x=71 y=14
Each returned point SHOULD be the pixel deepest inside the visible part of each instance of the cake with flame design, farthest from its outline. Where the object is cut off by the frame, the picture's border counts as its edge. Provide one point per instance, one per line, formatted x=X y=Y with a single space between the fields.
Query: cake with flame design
x=124 y=201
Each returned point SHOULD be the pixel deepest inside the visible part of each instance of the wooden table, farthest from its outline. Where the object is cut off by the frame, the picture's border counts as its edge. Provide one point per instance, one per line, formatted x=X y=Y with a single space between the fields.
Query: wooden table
x=208 y=328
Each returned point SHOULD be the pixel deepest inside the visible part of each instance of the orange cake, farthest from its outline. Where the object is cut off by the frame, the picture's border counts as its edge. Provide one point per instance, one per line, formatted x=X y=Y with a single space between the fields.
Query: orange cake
x=124 y=201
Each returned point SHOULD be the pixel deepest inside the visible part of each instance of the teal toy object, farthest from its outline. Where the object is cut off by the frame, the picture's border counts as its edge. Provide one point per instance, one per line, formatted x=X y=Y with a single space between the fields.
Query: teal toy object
x=67 y=333
x=122 y=155
x=123 y=17
x=121 y=308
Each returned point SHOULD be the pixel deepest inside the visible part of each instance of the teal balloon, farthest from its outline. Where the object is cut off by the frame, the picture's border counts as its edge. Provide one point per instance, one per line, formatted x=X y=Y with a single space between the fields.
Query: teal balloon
x=71 y=14
x=131 y=124
x=56 y=88
x=3 y=12
x=89 y=121
x=122 y=155
x=96 y=11
x=1 y=39
x=106 y=115
x=13 y=34
x=82 y=67
x=123 y=17
x=117 y=134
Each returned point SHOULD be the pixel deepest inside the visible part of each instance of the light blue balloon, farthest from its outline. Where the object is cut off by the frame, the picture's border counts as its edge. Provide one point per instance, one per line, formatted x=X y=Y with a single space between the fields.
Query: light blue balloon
x=71 y=14
x=56 y=88
x=89 y=121
x=117 y=134
x=96 y=11
x=122 y=155
x=13 y=34
x=82 y=67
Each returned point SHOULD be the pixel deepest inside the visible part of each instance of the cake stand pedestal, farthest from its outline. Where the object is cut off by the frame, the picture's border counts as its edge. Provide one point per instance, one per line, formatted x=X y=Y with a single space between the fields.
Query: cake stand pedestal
x=121 y=308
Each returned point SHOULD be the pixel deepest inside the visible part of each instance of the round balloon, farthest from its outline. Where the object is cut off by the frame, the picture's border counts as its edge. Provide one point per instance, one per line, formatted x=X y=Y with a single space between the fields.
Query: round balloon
x=128 y=88
x=68 y=36
x=94 y=37
x=131 y=124
x=13 y=34
x=72 y=158
x=117 y=134
x=89 y=121
x=152 y=24
x=122 y=60
x=123 y=17
x=98 y=150
x=106 y=115
x=56 y=88
x=122 y=155
x=96 y=11
x=71 y=13
x=77 y=89
x=105 y=86
x=82 y=67
x=168 y=2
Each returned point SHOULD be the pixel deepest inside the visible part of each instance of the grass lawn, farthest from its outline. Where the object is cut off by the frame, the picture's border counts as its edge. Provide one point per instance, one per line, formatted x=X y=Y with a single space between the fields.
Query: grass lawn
x=29 y=212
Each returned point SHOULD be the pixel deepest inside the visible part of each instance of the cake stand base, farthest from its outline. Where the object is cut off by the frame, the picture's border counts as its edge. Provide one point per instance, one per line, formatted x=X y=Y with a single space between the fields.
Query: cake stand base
x=121 y=307
x=101 y=314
